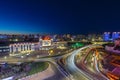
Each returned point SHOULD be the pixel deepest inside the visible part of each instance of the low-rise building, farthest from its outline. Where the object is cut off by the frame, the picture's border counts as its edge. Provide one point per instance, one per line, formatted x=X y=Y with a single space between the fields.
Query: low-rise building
x=4 y=48
x=22 y=47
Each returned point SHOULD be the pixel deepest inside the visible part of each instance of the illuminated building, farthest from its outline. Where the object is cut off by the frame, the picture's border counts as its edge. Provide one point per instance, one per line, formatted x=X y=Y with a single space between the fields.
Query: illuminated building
x=45 y=43
x=106 y=36
x=115 y=35
x=68 y=36
x=60 y=45
x=4 y=48
x=119 y=34
x=18 y=47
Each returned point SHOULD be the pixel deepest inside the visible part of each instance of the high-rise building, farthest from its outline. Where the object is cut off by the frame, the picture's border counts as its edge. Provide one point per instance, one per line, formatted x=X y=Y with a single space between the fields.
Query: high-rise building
x=115 y=35
x=106 y=36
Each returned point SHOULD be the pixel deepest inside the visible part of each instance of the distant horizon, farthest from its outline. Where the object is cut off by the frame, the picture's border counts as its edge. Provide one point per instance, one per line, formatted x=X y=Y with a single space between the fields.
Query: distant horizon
x=28 y=32
x=43 y=33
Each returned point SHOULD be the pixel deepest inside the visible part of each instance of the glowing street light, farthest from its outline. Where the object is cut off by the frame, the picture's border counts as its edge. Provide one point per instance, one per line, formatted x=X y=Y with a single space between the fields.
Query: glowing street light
x=22 y=56
x=5 y=57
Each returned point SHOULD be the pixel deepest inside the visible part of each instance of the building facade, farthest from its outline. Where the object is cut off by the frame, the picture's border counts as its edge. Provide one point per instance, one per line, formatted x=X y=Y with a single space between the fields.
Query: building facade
x=21 y=47
x=106 y=36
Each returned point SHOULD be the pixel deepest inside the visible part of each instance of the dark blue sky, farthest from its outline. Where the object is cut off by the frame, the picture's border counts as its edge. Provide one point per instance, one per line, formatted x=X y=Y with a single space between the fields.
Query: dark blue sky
x=59 y=16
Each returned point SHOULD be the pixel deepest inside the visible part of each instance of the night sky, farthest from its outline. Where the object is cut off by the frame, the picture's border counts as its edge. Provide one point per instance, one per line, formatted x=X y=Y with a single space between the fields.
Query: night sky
x=59 y=16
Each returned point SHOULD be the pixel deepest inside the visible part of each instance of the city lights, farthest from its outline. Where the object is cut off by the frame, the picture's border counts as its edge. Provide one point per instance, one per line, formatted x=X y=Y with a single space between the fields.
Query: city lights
x=59 y=40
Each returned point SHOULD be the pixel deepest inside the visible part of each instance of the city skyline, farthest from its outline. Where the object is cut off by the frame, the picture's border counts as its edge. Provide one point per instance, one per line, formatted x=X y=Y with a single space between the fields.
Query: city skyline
x=59 y=40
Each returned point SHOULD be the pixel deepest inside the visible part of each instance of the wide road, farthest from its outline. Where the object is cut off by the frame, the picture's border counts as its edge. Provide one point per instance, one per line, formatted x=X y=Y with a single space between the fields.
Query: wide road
x=76 y=73
x=95 y=60
x=69 y=70
x=89 y=63
x=83 y=71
